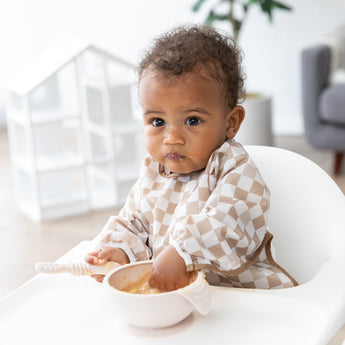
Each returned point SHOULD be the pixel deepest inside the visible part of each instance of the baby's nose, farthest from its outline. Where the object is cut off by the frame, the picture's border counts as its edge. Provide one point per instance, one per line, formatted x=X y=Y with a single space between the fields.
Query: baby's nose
x=173 y=136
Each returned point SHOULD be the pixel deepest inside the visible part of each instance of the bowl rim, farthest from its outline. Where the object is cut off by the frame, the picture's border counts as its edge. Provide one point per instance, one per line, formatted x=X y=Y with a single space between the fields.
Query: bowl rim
x=137 y=295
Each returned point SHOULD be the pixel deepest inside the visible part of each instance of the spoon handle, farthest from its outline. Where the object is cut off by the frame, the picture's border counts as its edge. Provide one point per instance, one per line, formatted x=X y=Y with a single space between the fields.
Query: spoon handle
x=77 y=268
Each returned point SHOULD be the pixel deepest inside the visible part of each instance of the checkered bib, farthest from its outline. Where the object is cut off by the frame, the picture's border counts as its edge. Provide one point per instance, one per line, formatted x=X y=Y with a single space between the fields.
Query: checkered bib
x=215 y=218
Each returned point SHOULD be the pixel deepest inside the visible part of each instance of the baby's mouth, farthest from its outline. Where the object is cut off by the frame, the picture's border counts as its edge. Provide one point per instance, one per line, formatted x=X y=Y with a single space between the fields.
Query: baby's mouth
x=174 y=156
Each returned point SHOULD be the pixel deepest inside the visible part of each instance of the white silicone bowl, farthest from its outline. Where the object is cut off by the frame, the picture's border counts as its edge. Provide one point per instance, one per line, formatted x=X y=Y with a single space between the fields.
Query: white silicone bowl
x=155 y=310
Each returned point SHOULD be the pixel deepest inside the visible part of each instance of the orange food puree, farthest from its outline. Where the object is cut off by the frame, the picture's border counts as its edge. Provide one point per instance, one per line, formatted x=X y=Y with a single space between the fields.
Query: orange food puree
x=142 y=286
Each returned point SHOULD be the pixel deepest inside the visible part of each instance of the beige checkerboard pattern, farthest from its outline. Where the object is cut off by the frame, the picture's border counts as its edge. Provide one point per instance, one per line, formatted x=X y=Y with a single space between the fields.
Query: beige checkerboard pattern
x=215 y=218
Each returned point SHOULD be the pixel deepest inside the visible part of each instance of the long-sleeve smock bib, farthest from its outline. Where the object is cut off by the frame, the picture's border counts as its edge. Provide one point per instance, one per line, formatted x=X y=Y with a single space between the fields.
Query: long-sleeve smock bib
x=215 y=218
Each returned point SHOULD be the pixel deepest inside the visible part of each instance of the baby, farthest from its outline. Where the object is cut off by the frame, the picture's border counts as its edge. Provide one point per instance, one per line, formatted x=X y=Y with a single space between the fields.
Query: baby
x=200 y=202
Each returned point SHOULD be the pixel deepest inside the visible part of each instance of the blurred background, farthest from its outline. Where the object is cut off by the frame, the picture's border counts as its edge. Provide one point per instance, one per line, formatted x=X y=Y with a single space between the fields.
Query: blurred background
x=126 y=28
x=272 y=63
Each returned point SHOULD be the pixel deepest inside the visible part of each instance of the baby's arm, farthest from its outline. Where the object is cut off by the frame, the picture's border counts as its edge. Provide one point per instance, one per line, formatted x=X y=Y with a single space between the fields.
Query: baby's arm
x=101 y=256
x=169 y=271
x=228 y=231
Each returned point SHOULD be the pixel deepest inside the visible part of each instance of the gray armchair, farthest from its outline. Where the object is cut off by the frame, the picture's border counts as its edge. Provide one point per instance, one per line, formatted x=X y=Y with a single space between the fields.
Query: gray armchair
x=323 y=104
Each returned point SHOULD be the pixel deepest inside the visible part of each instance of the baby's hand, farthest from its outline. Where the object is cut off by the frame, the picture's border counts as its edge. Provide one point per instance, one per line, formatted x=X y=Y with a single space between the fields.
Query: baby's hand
x=169 y=271
x=103 y=255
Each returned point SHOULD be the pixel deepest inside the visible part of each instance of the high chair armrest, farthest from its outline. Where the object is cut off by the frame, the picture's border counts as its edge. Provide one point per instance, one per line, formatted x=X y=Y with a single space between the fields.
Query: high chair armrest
x=326 y=292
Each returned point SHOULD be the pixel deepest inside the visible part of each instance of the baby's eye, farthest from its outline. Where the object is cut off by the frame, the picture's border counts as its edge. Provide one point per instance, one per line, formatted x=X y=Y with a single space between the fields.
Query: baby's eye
x=157 y=122
x=193 y=121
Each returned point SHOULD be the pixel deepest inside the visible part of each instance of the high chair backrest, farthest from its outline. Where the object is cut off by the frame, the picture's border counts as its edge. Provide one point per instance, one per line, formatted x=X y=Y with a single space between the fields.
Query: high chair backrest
x=307 y=215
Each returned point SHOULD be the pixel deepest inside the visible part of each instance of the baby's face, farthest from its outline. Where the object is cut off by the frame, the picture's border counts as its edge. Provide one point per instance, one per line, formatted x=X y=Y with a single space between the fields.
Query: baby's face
x=185 y=119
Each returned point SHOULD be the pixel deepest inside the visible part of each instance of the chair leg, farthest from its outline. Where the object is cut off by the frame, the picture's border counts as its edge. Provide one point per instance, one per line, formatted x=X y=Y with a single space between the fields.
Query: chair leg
x=338 y=160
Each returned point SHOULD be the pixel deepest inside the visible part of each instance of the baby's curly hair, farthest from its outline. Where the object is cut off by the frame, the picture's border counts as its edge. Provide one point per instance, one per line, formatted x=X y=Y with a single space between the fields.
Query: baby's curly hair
x=198 y=48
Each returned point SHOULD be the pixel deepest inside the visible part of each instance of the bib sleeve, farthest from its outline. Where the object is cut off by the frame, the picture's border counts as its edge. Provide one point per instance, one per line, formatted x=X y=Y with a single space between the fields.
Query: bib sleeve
x=127 y=231
x=223 y=225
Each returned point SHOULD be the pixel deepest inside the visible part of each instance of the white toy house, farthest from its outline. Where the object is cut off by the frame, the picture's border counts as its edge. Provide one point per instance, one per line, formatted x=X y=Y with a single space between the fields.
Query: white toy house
x=74 y=131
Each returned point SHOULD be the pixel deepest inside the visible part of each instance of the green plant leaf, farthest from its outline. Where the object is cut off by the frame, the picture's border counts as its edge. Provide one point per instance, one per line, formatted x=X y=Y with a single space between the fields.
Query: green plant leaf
x=238 y=26
x=209 y=19
x=281 y=6
x=212 y=16
x=267 y=6
x=221 y=17
x=197 y=5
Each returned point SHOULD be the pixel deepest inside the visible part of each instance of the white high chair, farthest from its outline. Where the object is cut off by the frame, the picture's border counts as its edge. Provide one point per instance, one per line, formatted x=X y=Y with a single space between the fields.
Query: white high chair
x=307 y=219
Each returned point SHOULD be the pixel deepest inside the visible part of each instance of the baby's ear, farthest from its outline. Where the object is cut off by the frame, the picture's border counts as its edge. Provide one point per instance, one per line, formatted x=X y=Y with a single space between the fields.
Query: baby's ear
x=234 y=120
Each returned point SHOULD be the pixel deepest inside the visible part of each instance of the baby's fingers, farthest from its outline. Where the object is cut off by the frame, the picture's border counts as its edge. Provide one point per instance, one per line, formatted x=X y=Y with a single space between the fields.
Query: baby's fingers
x=92 y=258
x=105 y=254
x=152 y=281
x=161 y=282
x=99 y=257
x=98 y=277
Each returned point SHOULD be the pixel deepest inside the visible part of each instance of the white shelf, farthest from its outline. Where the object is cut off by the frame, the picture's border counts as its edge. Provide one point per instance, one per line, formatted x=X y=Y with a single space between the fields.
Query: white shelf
x=100 y=160
x=42 y=116
x=101 y=85
x=53 y=210
x=127 y=128
x=96 y=129
x=30 y=209
x=81 y=105
x=59 y=162
x=99 y=173
x=117 y=128
x=102 y=199
x=122 y=172
x=46 y=164
x=62 y=200
x=128 y=172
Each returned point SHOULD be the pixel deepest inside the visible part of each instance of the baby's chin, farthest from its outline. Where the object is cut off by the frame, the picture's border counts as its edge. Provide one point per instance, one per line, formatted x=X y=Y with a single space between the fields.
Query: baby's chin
x=175 y=168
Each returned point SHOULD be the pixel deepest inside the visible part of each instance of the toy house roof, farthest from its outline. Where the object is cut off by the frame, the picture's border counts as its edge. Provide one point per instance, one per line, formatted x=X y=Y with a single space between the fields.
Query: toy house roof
x=51 y=61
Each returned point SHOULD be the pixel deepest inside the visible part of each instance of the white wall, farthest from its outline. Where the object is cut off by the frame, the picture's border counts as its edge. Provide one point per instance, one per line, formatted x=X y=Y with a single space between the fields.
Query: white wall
x=272 y=51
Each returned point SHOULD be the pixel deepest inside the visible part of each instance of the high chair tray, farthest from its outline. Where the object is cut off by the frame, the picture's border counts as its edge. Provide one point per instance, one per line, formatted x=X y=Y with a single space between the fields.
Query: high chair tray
x=67 y=309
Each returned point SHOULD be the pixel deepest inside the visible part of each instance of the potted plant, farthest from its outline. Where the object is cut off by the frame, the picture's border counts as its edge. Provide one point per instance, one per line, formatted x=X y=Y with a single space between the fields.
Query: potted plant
x=237 y=11
x=257 y=127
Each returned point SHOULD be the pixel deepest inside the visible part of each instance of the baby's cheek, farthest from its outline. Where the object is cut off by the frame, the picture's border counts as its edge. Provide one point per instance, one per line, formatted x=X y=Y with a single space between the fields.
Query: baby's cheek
x=153 y=150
